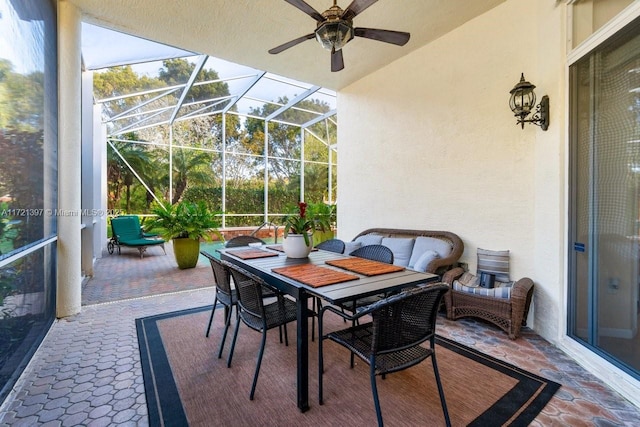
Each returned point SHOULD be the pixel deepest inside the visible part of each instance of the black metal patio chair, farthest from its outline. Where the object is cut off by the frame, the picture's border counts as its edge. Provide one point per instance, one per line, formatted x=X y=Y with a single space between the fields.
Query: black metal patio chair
x=378 y=253
x=392 y=340
x=257 y=315
x=238 y=241
x=225 y=295
x=244 y=240
x=332 y=245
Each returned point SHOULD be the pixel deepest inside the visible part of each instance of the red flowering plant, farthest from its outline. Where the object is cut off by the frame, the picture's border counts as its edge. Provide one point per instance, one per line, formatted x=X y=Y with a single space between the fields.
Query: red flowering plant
x=299 y=223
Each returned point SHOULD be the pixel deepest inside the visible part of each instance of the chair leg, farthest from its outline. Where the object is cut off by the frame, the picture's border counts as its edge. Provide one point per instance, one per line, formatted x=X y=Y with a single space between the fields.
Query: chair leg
x=440 y=390
x=213 y=310
x=374 y=390
x=352 y=358
x=227 y=323
x=255 y=376
x=286 y=337
x=233 y=343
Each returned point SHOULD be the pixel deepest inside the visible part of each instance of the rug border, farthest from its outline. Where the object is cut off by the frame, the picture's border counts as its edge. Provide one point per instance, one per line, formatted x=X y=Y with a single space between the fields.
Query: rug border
x=530 y=387
x=153 y=357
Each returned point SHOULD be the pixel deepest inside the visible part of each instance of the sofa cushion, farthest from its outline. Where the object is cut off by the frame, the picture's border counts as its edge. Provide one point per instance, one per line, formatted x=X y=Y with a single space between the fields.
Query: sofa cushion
x=494 y=262
x=401 y=248
x=470 y=283
x=422 y=244
x=351 y=246
x=424 y=260
x=369 y=239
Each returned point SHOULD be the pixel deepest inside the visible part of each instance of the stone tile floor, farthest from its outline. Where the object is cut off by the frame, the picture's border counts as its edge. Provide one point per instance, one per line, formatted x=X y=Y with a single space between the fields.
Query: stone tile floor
x=87 y=371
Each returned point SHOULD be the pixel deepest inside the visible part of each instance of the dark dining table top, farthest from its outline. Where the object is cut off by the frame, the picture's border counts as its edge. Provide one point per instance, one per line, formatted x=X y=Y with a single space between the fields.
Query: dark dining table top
x=360 y=287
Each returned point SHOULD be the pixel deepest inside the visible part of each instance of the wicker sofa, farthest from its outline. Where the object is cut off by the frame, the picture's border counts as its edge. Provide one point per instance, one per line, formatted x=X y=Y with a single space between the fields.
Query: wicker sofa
x=448 y=245
x=509 y=314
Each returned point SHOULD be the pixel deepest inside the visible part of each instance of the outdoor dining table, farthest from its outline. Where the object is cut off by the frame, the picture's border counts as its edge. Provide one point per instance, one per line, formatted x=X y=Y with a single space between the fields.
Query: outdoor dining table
x=349 y=286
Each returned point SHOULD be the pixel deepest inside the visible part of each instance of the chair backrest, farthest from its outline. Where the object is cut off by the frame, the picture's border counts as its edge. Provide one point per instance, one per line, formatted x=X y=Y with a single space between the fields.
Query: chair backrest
x=249 y=289
x=237 y=241
x=406 y=319
x=126 y=228
x=374 y=252
x=332 y=245
x=220 y=274
x=135 y=218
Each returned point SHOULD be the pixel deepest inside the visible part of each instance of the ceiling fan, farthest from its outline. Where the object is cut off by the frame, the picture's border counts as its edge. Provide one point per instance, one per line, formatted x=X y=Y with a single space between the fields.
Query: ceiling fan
x=335 y=29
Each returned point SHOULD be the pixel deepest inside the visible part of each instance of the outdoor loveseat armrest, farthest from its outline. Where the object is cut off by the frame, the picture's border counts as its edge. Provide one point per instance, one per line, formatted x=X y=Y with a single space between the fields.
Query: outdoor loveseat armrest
x=452 y=275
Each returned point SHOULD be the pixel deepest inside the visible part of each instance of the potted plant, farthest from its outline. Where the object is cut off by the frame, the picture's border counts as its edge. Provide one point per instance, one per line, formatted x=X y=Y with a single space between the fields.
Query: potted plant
x=298 y=231
x=185 y=223
x=323 y=216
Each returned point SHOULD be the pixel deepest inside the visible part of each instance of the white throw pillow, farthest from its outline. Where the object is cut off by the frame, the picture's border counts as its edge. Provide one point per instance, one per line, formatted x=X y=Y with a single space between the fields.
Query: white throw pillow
x=423 y=243
x=401 y=248
x=351 y=246
x=369 y=239
x=425 y=259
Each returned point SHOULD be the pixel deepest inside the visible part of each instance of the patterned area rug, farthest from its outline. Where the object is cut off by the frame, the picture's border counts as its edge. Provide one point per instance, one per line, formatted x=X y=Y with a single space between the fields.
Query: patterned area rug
x=186 y=384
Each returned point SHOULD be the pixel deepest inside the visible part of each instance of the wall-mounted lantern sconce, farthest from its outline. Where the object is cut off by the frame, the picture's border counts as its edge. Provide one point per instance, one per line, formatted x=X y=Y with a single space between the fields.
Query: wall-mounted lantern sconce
x=522 y=101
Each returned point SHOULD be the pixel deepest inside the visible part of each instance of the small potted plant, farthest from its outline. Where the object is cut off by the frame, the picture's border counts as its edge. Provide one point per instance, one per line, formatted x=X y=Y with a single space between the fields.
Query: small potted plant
x=185 y=223
x=298 y=232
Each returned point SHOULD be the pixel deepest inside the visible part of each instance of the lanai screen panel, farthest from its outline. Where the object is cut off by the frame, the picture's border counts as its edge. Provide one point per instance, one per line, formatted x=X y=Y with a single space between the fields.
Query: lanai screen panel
x=218 y=131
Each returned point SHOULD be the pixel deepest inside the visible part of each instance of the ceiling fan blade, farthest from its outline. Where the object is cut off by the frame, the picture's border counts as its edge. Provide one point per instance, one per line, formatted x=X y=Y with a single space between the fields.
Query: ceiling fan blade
x=337 y=62
x=303 y=6
x=356 y=7
x=291 y=43
x=387 y=36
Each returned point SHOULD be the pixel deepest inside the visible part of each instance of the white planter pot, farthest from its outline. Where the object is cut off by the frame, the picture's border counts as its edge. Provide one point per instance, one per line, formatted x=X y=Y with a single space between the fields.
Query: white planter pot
x=295 y=247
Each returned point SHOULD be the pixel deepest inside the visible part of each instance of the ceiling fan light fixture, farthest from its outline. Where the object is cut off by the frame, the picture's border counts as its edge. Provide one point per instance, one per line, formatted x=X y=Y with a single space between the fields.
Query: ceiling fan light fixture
x=333 y=35
x=335 y=29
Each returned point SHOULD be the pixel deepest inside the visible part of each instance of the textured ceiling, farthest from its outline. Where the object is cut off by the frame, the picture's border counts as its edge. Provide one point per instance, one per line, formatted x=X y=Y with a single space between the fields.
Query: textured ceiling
x=242 y=31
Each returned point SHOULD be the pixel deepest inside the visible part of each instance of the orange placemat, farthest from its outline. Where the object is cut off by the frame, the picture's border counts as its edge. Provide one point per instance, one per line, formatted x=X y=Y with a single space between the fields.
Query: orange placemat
x=364 y=266
x=314 y=275
x=251 y=253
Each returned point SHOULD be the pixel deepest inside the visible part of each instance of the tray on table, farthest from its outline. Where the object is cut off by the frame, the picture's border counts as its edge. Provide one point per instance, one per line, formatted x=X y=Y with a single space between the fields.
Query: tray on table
x=314 y=275
x=366 y=267
x=251 y=253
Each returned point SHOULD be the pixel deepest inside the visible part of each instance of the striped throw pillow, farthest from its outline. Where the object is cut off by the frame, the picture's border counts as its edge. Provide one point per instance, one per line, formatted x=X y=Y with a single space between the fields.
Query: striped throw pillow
x=494 y=262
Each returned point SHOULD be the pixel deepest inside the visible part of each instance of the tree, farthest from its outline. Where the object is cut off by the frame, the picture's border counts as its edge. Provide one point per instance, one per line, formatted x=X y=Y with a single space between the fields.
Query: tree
x=284 y=140
x=120 y=175
x=22 y=167
x=189 y=166
x=200 y=131
x=117 y=81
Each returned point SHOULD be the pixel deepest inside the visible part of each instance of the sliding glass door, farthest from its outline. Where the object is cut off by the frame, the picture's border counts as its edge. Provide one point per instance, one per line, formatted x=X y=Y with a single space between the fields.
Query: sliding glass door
x=605 y=199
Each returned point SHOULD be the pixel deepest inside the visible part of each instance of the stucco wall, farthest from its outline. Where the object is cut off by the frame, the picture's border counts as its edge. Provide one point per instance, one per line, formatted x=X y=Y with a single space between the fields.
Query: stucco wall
x=429 y=142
